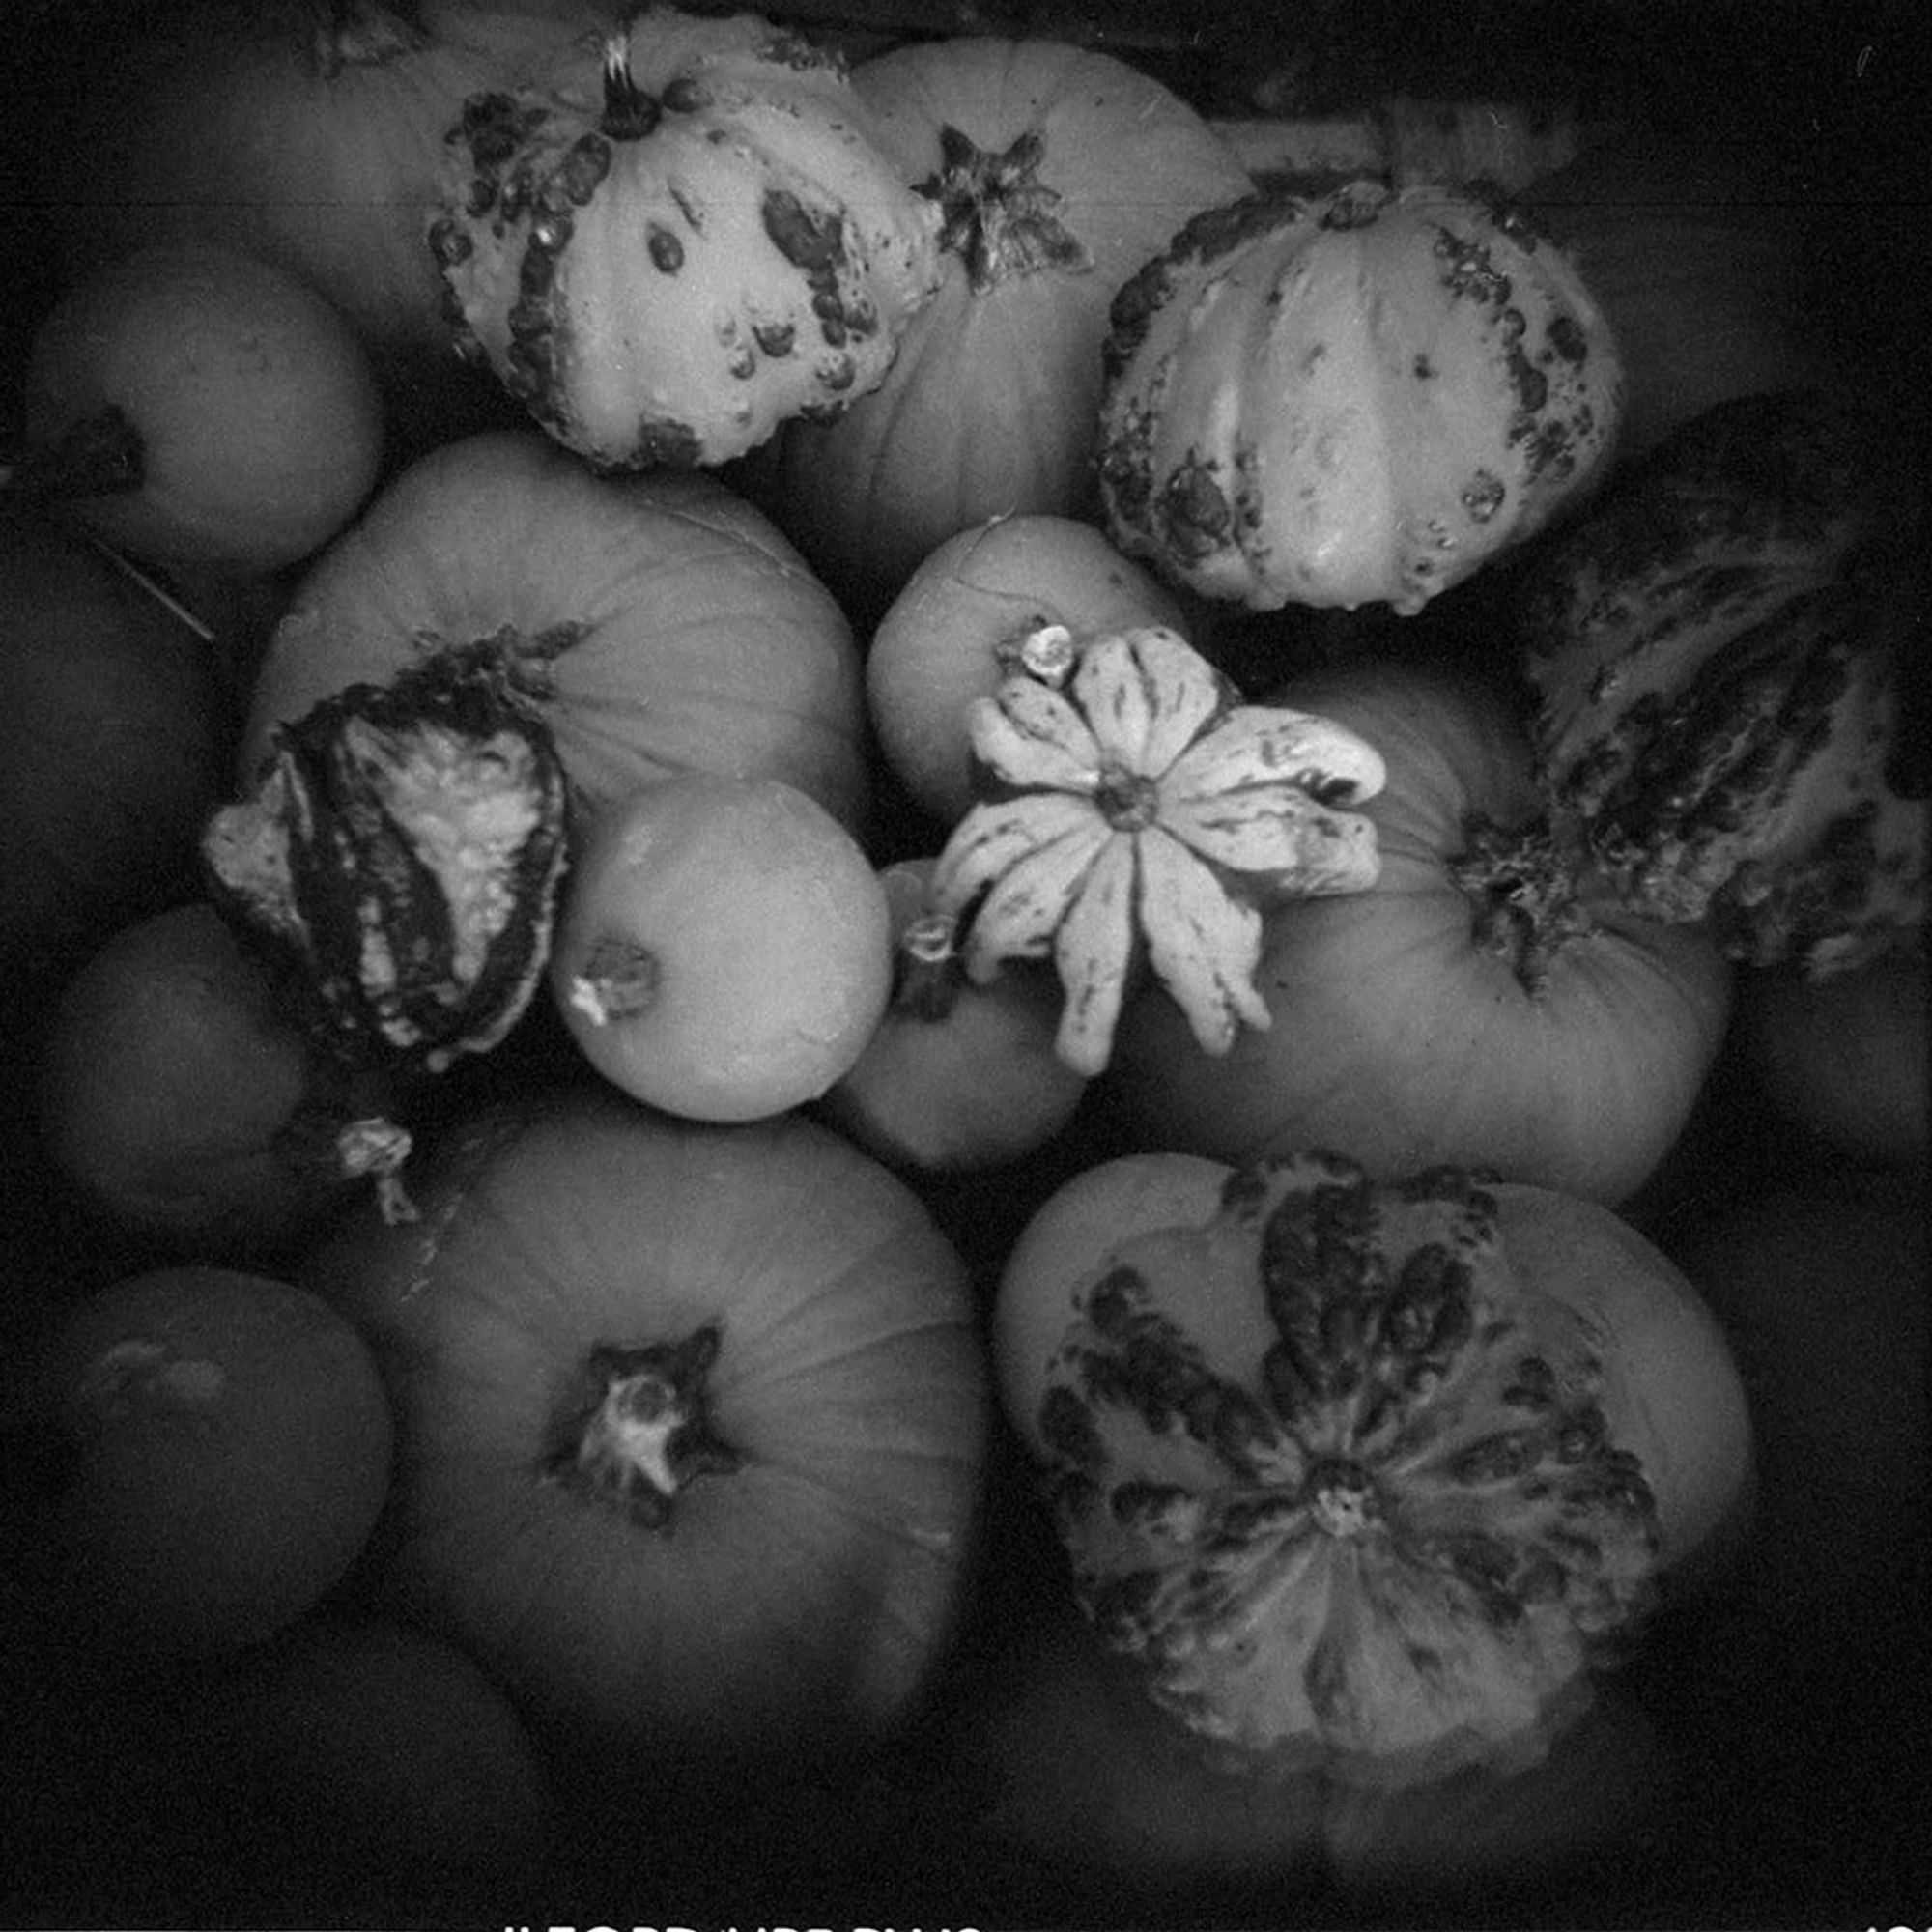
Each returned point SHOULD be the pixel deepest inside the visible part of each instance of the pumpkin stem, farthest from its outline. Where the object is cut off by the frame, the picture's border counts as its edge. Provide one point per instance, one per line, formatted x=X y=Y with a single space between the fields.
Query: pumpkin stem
x=629 y=112
x=620 y=979
x=1044 y=650
x=101 y=455
x=930 y=975
x=998 y=216
x=1523 y=885
x=637 y=1430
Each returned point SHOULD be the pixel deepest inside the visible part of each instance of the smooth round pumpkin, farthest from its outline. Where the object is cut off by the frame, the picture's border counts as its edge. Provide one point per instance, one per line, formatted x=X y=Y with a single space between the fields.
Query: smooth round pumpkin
x=724 y=949
x=959 y=1075
x=1352 y=397
x=112 y=747
x=659 y=623
x=1845 y=1056
x=1057 y=169
x=1482 y=1002
x=957 y=625
x=1365 y=1480
x=229 y=1441
x=200 y=407
x=692 y=1422
x=180 y=1095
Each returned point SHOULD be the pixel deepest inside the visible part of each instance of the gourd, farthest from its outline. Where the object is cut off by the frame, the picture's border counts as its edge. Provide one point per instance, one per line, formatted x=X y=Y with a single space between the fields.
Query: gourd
x=1354 y=397
x=178 y=1092
x=1487 y=1002
x=1724 y=654
x=200 y=409
x=111 y=752
x=396 y=858
x=1364 y=1479
x=1056 y=170
x=229 y=1440
x=667 y=246
x=959 y=625
x=692 y=1423
x=959 y=1075
x=725 y=948
x=1128 y=784
x=658 y=623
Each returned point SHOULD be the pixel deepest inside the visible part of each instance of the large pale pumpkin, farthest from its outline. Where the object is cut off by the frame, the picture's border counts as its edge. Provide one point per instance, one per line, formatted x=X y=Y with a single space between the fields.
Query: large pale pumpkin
x=1058 y=170
x=659 y=623
x=1350 y=398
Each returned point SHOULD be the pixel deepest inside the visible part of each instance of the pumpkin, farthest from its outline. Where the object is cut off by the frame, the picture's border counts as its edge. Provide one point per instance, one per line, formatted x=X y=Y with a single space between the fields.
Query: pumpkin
x=669 y=245
x=959 y=624
x=1709 y=278
x=1056 y=170
x=1724 y=654
x=307 y=132
x=1485 y=1003
x=111 y=749
x=228 y=1441
x=1350 y=398
x=1845 y=1057
x=692 y=1422
x=1129 y=783
x=659 y=623
x=352 y=1749
x=179 y=1094
x=200 y=407
x=725 y=949
x=959 y=1075
x=1364 y=1479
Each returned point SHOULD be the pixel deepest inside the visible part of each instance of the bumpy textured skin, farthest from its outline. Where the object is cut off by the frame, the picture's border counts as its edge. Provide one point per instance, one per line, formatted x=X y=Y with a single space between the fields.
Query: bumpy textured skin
x=1344 y=1485
x=398 y=855
x=1352 y=398
x=1725 y=650
x=667 y=277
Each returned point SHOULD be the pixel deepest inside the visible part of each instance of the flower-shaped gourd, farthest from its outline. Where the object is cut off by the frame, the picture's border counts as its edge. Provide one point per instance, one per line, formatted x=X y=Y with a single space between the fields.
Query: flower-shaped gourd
x=1136 y=802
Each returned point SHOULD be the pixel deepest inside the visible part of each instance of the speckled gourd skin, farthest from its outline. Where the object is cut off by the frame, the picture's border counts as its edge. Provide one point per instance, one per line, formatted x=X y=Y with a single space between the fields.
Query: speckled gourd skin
x=678 y=241
x=1352 y=398
x=1367 y=1479
x=1724 y=653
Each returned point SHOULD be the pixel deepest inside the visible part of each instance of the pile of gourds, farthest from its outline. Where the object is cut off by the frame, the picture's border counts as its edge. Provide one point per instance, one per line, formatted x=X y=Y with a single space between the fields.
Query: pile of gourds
x=850 y=911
